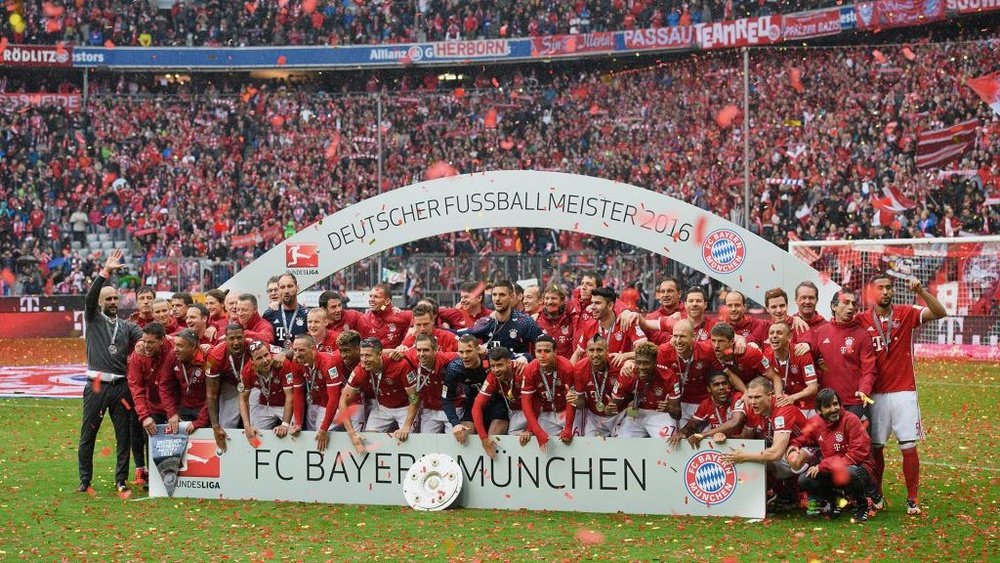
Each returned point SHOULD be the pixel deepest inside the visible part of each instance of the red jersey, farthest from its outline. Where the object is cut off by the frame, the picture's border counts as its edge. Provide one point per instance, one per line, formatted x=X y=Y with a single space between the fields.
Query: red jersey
x=446 y=341
x=692 y=373
x=144 y=382
x=183 y=385
x=619 y=339
x=259 y=329
x=752 y=329
x=388 y=325
x=782 y=419
x=662 y=312
x=430 y=382
x=511 y=391
x=893 y=346
x=562 y=329
x=220 y=323
x=796 y=373
x=329 y=343
x=847 y=351
x=319 y=377
x=748 y=365
x=546 y=390
x=220 y=363
x=715 y=414
x=596 y=386
x=272 y=385
x=389 y=385
x=702 y=332
x=647 y=394
x=349 y=319
x=845 y=442
x=457 y=318
x=141 y=320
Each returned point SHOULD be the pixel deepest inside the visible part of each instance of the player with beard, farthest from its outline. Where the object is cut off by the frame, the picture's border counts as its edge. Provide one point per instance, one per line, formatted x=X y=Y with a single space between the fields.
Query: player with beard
x=470 y=307
x=692 y=362
x=847 y=358
x=596 y=378
x=650 y=397
x=254 y=327
x=799 y=382
x=161 y=314
x=282 y=402
x=423 y=324
x=289 y=319
x=392 y=385
x=182 y=385
x=621 y=336
x=144 y=368
x=430 y=367
x=846 y=461
x=544 y=383
x=751 y=328
x=469 y=371
x=316 y=326
x=557 y=322
x=500 y=381
x=109 y=341
x=743 y=367
x=143 y=315
x=384 y=320
x=321 y=377
x=224 y=372
x=716 y=410
x=218 y=320
x=896 y=409
x=339 y=318
x=504 y=326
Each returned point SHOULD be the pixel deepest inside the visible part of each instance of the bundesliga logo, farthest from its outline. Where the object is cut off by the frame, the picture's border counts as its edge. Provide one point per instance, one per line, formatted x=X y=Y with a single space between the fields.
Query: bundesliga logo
x=709 y=478
x=723 y=251
x=200 y=460
x=301 y=255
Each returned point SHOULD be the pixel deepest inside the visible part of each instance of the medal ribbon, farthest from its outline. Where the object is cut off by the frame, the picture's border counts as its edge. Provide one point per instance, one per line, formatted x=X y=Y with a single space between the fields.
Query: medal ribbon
x=599 y=389
x=887 y=334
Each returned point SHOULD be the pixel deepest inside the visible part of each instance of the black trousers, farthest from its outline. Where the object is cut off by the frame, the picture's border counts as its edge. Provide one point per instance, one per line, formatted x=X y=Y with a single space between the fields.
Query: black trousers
x=115 y=399
x=859 y=486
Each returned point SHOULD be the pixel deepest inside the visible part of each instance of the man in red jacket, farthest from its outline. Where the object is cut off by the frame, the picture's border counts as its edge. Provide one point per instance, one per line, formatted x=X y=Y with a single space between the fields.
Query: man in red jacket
x=144 y=368
x=751 y=328
x=846 y=460
x=470 y=307
x=847 y=358
x=254 y=327
x=143 y=315
x=557 y=322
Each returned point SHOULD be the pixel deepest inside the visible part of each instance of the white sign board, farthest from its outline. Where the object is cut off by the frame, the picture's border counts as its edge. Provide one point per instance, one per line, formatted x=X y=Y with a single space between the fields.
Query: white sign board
x=532 y=199
x=634 y=475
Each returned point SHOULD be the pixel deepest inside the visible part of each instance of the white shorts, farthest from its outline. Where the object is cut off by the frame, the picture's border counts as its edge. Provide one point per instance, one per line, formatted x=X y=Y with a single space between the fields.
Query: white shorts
x=264 y=417
x=382 y=419
x=596 y=425
x=896 y=413
x=687 y=411
x=517 y=423
x=314 y=416
x=552 y=423
x=436 y=421
x=648 y=424
x=229 y=406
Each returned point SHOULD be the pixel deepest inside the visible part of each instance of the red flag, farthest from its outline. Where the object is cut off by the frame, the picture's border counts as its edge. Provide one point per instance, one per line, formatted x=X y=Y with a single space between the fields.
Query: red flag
x=894 y=201
x=796 y=76
x=988 y=88
x=942 y=146
x=879 y=57
x=490 y=121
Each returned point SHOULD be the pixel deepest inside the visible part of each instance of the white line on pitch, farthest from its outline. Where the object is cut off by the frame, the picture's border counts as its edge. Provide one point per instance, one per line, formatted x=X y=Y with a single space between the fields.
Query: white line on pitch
x=960 y=466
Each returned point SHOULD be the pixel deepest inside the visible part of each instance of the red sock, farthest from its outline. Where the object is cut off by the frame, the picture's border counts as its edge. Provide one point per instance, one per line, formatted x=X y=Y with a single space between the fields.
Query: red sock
x=911 y=472
x=879 y=455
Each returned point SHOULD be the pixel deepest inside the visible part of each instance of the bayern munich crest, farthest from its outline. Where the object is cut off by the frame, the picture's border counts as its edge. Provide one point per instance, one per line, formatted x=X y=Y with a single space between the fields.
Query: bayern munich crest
x=709 y=478
x=723 y=251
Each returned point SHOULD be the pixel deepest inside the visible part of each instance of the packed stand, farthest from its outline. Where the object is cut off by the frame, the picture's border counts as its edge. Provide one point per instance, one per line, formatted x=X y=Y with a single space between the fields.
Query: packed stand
x=215 y=23
x=275 y=158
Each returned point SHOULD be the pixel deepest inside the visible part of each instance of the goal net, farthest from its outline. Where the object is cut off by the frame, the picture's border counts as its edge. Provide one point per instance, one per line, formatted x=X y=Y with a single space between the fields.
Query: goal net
x=963 y=273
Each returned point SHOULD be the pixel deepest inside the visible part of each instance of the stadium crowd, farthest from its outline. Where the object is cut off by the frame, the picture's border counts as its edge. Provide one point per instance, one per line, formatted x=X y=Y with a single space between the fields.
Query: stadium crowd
x=544 y=363
x=275 y=157
x=340 y=22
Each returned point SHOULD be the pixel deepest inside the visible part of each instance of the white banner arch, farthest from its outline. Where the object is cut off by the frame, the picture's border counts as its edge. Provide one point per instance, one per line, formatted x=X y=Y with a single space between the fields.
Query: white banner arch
x=533 y=199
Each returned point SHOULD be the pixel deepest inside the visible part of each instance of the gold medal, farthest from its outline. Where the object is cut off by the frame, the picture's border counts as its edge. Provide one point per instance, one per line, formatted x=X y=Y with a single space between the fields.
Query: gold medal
x=600 y=405
x=632 y=411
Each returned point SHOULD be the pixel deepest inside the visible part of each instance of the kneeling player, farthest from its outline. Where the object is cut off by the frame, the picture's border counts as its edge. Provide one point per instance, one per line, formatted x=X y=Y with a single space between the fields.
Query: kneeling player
x=650 y=398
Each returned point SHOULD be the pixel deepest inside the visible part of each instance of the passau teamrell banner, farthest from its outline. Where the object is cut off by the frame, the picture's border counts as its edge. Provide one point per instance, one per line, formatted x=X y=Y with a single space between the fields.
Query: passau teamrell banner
x=634 y=475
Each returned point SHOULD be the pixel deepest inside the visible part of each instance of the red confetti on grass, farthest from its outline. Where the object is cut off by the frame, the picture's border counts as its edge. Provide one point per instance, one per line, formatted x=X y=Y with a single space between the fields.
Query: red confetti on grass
x=106 y=451
x=125 y=495
x=589 y=537
x=268 y=553
x=91 y=492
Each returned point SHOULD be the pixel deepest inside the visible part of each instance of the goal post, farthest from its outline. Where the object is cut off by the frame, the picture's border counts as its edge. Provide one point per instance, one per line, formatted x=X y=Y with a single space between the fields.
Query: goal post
x=963 y=273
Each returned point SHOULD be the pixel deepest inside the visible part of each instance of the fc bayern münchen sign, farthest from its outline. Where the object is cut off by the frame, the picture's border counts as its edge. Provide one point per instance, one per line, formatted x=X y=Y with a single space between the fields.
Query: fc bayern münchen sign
x=634 y=475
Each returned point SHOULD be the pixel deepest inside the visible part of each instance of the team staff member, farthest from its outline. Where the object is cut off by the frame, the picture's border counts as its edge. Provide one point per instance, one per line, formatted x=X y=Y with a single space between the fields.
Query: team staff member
x=650 y=398
x=470 y=307
x=806 y=296
x=218 y=320
x=281 y=396
x=179 y=304
x=161 y=314
x=254 y=327
x=668 y=294
x=556 y=321
x=895 y=389
x=109 y=341
x=713 y=412
x=392 y=385
x=288 y=320
x=144 y=368
x=143 y=315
